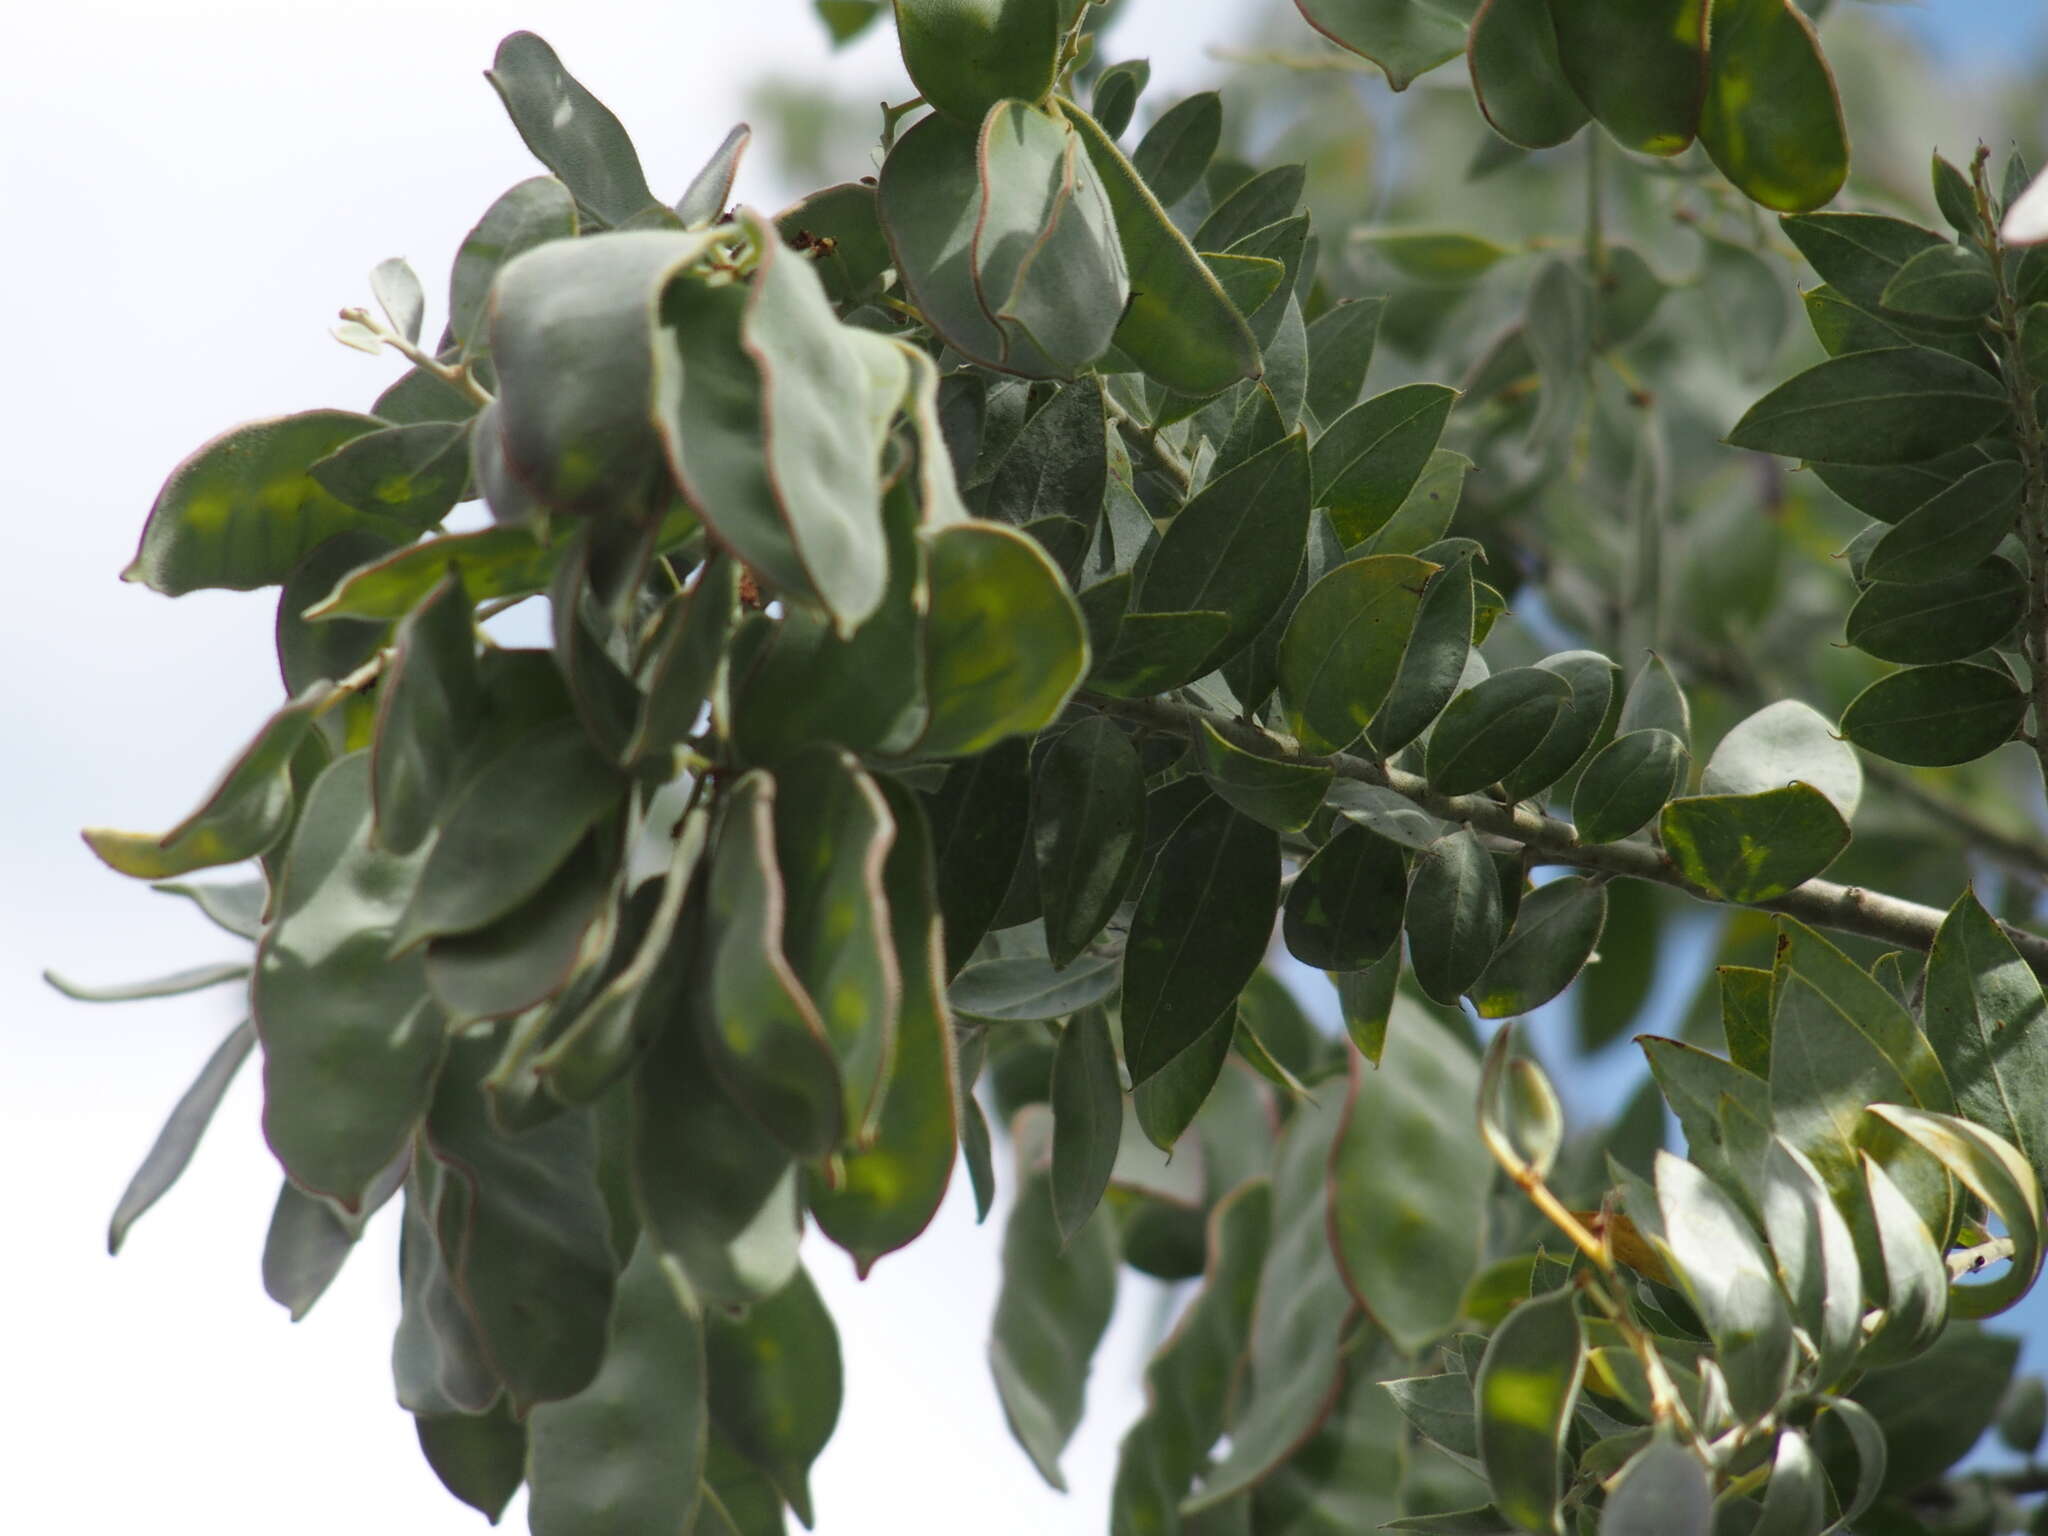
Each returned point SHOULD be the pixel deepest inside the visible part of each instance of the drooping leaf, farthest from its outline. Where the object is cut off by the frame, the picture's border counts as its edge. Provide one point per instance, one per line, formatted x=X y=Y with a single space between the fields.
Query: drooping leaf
x=1751 y=848
x=569 y=130
x=1996 y=1172
x=1984 y=1018
x=1772 y=122
x=1087 y=1119
x=307 y=1243
x=773 y=1384
x=179 y=1139
x=1005 y=646
x=1405 y=38
x=495 y=562
x=1344 y=908
x=1933 y=716
x=1055 y=1302
x=1409 y=1182
x=1454 y=918
x=438 y=1363
x=980 y=819
x=629 y=1448
x=480 y=1458
x=1527 y=1387
x=1201 y=927
x=1088 y=818
x=1556 y=929
x=1517 y=77
x=428 y=709
x=966 y=57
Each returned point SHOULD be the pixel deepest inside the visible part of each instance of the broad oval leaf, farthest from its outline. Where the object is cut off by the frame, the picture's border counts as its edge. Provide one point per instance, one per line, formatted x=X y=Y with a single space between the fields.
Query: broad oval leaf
x=1952 y=530
x=1409 y=1183
x=1950 y=284
x=967 y=55
x=929 y=203
x=1344 y=908
x=537 y=210
x=1772 y=122
x=1945 y=619
x=1492 y=728
x=774 y=1383
x=1405 y=40
x=1894 y=405
x=1005 y=647
x=1556 y=929
x=1780 y=743
x=1592 y=679
x=1640 y=66
x=1527 y=1387
x=1368 y=460
x=1343 y=647
x=1934 y=716
x=480 y=1458
x=1517 y=77
x=1751 y=848
x=569 y=130
x=1663 y=1491
x=1454 y=916
x=244 y=509
x=1272 y=791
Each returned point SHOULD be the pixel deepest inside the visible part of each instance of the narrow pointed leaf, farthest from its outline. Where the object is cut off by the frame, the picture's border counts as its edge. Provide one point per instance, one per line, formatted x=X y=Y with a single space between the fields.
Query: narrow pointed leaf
x=1984 y=1018
x=1555 y=931
x=176 y=1142
x=1088 y=818
x=1952 y=530
x=1894 y=405
x=480 y=1458
x=1087 y=1119
x=1528 y=1385
x=569 y=130
x=1178 y=147
x=1728 y=1278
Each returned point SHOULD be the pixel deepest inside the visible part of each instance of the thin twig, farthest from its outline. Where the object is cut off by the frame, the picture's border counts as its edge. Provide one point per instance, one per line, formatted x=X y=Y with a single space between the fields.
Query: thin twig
x=1821 y=903
x=1164 y=456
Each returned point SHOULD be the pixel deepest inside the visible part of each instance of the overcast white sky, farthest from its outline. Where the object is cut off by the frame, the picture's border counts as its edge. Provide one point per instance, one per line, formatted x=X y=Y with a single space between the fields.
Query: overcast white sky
x=192 y=190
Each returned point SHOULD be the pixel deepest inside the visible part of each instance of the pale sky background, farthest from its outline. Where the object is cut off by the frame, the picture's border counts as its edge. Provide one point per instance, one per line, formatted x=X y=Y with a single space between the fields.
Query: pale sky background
x=192 y=190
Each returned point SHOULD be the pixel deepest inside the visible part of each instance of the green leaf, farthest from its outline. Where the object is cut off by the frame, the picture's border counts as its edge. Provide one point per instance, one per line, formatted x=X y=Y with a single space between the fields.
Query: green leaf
x=1004 y=644
x=1858 y=254
x=1934 y=716
x=845 y=20
x=714 y=1191
x=438 y=1363
x=1779 y=744
x=1556 y=929
x=783 y=460
x=1343 y=647
x=528 y=955
x=1895 y=405
x=1293 y=1365
x=1433 y=664
x=1699 y=1086
x=628 y=1450
x=406 y=477
x=569 y=130
x=537 y=210
x=1057 y=465
x=1348 y=1476
x=1749 y=301
x=1949 y=283
x=1370 y=458
x=1517 y=77
x=307 y=653
x=1996 y=1172
x=1154 y=652
x=1014 y=989
x=1201 y=927
x=847 y=216
x=1056 y=1298
x=774 y=1384
x=1409 y=1184
x=481 y=1459
x=1235 y=546
x=1592 y=679
x=1640 y=67
x=1180 y=328
x=889 y=1189
x=1437 y=256
x=1088 y=817
x=929 y=201
x=966 y=57
x=1953 y=529
x=832 y=836
x=432 y=696
x=1344 y=909
x=244 y=509
x=1188 y=1381
x=1454 y=915
x=685 y=651
x=1405 y=38
x=494 y=562
x=1815 y=1255
x=1492 y=728
x=1915 y=1281
x=1271 y=791
x=1528 y=1385
x=1663 y=1491
x=177 y=984
x=1772 y=123
x=1983 y=1017
x=705 y=199
x=2023 y=1415
x=1656 y=702
x=1366 y=999
x=1944 y=619
x=1045 y=259
x=1752 y=848
x=1087 y=1119
x=1728 y=1279
x=765 y=1032
x=234 y=906
x=512 y=826
x=1923 y=1416
x=523 y=1227
x=1340 y=348
x=351 y=1041
x=1116 y=94
x=979 y=818
x=1176 y=149
x=179 y=1139
x=1167 y=1102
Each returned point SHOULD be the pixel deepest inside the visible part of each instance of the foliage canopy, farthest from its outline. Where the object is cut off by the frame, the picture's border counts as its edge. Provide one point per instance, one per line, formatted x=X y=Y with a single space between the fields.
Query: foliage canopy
x=987 y=604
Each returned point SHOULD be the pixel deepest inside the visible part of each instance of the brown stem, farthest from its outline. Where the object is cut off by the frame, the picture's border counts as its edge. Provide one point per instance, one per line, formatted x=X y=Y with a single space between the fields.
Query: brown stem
x=1821 y=903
